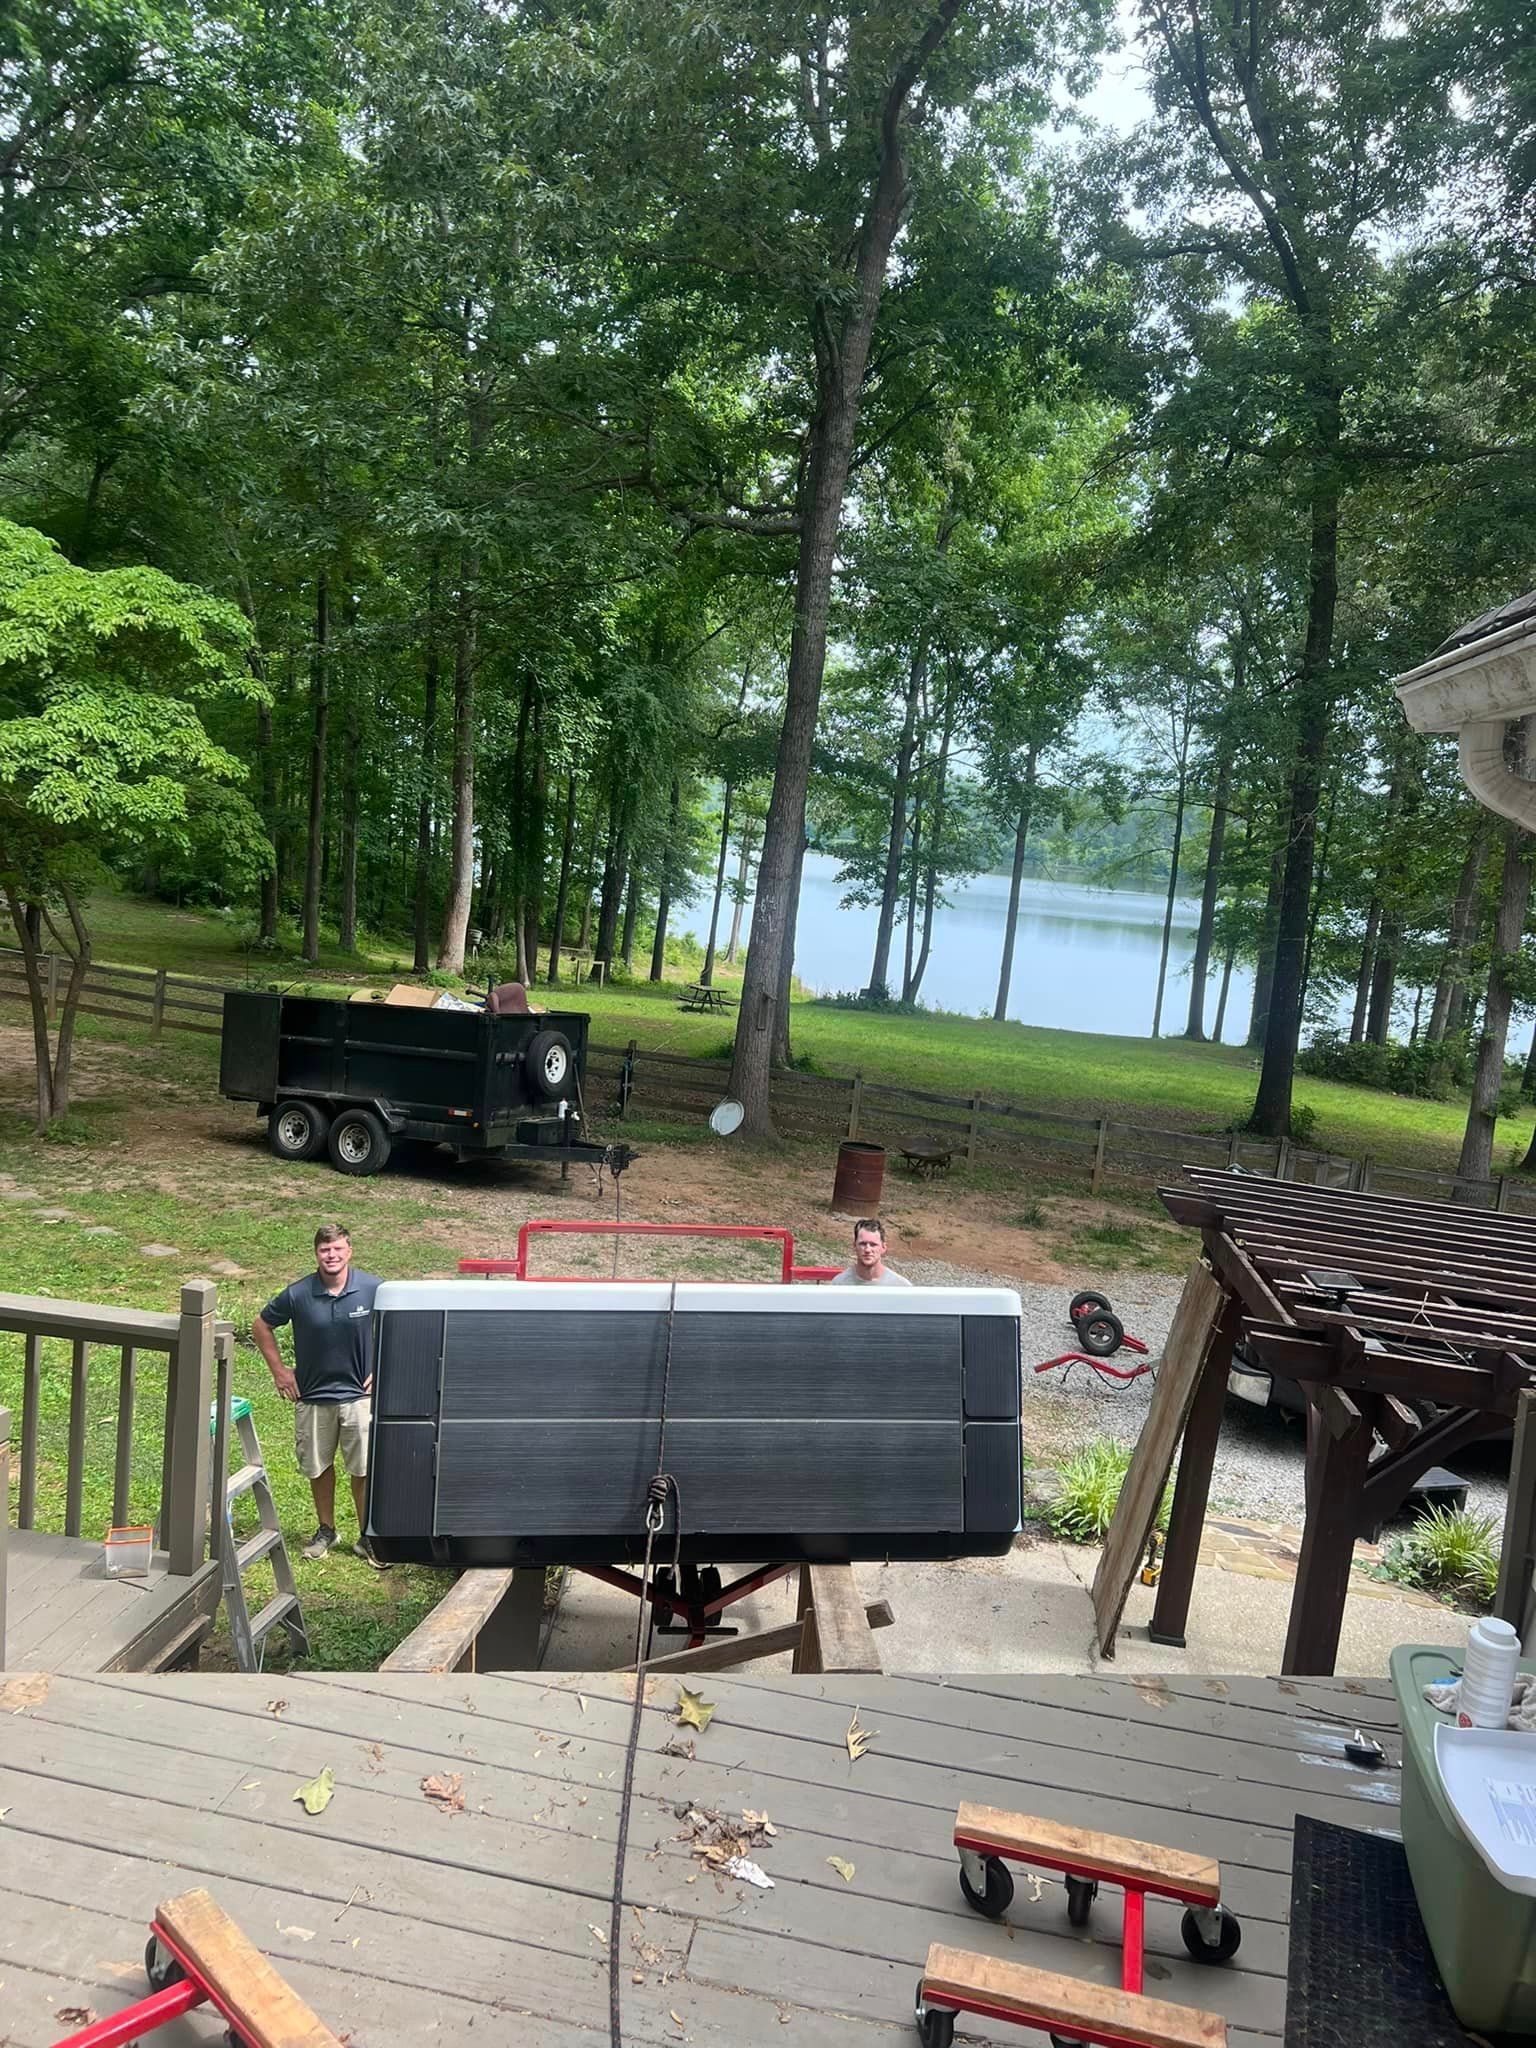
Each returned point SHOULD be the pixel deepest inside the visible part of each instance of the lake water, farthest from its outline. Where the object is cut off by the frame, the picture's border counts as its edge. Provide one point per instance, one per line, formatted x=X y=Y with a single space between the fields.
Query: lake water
x=1084 y=959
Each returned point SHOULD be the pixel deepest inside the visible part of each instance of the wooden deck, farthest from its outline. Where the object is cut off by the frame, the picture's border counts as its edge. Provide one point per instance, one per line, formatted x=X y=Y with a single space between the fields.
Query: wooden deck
x=399 y=1921
x=65 y=1614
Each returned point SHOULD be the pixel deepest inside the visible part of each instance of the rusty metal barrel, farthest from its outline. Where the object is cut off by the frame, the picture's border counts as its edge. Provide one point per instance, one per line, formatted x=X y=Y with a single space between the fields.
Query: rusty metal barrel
x=860 y=1177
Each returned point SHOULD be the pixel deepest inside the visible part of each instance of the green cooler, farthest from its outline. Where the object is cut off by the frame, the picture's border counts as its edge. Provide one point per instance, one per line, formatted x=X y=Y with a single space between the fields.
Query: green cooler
x=1483 y=1936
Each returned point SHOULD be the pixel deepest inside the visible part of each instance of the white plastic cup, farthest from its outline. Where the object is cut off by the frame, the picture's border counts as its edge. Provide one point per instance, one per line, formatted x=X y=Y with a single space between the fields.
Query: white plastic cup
x=1488 y=1674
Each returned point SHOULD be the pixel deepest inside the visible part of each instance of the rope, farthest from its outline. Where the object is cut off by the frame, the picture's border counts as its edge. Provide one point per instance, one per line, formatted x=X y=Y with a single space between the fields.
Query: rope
x=662 y=1487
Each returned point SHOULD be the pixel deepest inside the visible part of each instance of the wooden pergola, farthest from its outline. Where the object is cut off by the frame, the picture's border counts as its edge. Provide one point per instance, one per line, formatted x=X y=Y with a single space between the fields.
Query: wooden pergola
x=1411 y=1327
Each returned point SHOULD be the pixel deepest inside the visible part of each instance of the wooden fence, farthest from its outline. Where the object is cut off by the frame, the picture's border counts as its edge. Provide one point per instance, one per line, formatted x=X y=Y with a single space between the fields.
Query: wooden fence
x=134 y=995
x=667 y=1088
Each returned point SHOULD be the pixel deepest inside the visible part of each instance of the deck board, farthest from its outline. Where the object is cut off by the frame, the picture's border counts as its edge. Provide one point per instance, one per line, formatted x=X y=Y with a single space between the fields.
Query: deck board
x=121 y=1790
x=65 y=1614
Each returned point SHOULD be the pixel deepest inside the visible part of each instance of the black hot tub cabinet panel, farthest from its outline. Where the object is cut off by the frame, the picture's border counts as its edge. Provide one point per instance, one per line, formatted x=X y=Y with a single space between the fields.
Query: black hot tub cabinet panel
x=800 y=1422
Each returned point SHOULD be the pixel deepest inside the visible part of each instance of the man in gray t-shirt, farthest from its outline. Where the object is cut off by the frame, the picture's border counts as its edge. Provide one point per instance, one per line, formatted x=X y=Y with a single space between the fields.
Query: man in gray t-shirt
x=869 y=1268
x=330 y=1380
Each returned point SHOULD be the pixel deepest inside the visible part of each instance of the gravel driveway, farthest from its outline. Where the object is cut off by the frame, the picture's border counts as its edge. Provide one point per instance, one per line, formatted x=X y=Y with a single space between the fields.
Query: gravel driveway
x=1259 y=1460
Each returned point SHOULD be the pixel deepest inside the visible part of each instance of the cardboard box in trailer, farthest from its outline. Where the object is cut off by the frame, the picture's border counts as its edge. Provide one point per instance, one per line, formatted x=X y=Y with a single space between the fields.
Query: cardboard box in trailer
x=350 y=1079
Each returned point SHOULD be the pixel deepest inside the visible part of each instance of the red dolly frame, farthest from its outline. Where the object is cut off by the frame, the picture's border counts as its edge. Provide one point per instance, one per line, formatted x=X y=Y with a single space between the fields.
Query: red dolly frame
x=160 y=2007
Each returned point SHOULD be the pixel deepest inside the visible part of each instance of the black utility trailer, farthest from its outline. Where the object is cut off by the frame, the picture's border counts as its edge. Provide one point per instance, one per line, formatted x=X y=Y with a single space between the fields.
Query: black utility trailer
x=349 y=1079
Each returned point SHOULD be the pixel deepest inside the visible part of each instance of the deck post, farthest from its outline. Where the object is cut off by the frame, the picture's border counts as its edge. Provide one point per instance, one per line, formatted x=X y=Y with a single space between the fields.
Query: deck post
x=5 y=1517
x=31 y=1401
x=1338 y=1449
x=1197 y=1459
x=1518 y=1553
x=185 y=1509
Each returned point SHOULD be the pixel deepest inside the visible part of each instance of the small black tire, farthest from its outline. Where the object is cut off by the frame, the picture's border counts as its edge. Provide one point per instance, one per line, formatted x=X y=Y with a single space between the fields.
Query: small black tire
x=550 y=1065
x=298 y=1130
x=1081 y=1893
x=1223 y=1949
x=994 y=1902
x=711 y=1585
x=160 y=1966
x=1066 y=2041
x=1100 y=1334
x=1080 y=1303
x=358 y=1143
x=935 y=2023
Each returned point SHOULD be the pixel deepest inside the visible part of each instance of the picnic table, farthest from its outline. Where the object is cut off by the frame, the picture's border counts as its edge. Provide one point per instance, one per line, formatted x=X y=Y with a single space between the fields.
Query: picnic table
x=925 y=1157
x=699 y=996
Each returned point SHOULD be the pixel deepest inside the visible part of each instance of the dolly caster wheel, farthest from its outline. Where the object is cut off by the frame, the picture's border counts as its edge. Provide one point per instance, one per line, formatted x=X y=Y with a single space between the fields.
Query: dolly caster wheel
x=1066 y=2041
x=1081 y=1893
x=998 y=1896
x=935 y=2024
x=1196 y=1938
x=160 y=1966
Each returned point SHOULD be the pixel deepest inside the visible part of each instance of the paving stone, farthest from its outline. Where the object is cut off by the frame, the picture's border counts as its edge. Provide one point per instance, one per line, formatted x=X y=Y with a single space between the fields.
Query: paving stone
x=158 y=1251
x=52 y=1215
x=98 y=1230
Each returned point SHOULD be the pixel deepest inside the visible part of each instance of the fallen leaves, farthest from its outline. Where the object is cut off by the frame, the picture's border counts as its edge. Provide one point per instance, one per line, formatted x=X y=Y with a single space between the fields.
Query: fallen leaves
x=316 y=1796
x=693 y=1710
x=445 y=1790
x=843 y=1868
x=858 y=1739
x=759 y=1823
x=276 y=1706
x=597 y=1933
x=76 y=2015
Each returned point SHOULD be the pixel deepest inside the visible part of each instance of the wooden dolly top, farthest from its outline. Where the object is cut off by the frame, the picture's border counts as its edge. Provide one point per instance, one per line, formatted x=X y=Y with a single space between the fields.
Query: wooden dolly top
x=1021 y=1838
x=239 y=1979
x=1094 y=2013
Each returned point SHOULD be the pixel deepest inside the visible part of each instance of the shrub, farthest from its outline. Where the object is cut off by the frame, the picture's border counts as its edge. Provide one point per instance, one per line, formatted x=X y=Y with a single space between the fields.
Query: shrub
x=1091 y=1480
x=1435 y=1072
x=1030 y=1217
x=1448 y=1550
x=1303 y=1123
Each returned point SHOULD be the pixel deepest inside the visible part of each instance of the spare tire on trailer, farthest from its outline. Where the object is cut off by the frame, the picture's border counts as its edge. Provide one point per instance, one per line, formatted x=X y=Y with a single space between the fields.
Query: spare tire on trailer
x=550 y=1065
x=358 y=1142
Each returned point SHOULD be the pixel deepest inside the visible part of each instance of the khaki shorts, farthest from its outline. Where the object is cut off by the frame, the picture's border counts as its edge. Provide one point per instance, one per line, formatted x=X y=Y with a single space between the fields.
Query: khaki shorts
x=321 y=1428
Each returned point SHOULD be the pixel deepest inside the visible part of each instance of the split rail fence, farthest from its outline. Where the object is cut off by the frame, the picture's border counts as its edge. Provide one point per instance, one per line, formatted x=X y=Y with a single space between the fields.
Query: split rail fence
x=677 y=1088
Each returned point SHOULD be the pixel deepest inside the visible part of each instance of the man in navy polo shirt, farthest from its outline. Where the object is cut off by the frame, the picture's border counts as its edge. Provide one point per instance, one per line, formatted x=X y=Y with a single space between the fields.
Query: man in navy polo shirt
x=331 y=1378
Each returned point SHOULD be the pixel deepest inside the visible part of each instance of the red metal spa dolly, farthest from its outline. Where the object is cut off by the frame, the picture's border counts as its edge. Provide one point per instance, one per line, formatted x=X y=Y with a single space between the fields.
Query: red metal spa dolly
x=1075 y=2014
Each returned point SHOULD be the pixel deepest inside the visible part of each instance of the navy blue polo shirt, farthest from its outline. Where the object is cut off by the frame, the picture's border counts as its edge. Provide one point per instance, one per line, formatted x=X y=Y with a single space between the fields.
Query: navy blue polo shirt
x=332 y=1334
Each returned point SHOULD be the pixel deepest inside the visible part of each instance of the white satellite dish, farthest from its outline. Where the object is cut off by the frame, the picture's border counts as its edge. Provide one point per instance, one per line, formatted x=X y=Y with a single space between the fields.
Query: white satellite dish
x=726 y=1117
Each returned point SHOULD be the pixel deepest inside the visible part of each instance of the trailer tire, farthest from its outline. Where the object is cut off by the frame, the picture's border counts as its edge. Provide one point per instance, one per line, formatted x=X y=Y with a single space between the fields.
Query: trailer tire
x=358 y=1142
x=1100 y=1334
x=298 y=1130
x=550 y=1065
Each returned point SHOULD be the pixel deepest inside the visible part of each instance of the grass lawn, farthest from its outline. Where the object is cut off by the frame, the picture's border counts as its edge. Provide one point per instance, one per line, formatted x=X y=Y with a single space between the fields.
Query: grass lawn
x=1159 y=1082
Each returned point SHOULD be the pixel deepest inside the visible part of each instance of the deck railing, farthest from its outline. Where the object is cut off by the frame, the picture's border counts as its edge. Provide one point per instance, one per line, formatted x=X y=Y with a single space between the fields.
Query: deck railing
x=198 y=1352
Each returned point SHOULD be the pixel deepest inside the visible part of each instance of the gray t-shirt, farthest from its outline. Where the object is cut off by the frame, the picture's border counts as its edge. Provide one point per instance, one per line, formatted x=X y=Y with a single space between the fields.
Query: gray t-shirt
x=332 y=1334
x=849 y=1277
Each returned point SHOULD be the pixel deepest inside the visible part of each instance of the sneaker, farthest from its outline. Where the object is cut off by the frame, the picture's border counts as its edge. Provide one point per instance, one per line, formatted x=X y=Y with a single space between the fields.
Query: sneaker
x=369 y=1555
x=323 y=1540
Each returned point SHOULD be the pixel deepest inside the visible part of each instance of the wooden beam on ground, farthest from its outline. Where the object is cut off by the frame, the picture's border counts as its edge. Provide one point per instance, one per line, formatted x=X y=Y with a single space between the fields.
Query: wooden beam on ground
x=487 y=1621
x=1063 y=2005
x=1191 y=1341
x=270 y=2013
x=838 y=1636
x=729 y=1651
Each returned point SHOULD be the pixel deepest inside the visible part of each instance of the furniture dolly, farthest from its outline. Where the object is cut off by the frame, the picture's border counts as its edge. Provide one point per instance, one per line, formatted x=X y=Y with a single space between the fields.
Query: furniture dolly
x=197 y=1954
x=1072 y=2013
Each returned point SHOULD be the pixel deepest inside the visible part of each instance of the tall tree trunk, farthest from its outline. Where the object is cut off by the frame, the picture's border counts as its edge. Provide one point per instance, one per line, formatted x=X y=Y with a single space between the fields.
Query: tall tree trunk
x=533 y=872
x=631 y=918
x=896 y=836
x=563 y=886
x=1016 y=883
x=1264 y=964
x=423 y=904
x=707 y=978
x=1366 y=973
x=320 y=700
x=1173 y=878
x=1194 y=1026
x=1476 y=1161
x=589 y=878
x=664 y=893
x=1228 y=959
x=615 y=867
x=935 y=852
x=1463 y=919
x=783 y=1051
x=351 y=748
x=745 y=847
x=913 y=879
x=1319 y=896
x=842 y=328
x=1378 y=1019
x=461 y=872
x=267 y=754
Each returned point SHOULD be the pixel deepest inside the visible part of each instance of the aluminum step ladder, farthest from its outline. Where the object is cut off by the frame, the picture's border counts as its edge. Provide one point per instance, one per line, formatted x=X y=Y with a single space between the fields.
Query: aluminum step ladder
x=282 y=1610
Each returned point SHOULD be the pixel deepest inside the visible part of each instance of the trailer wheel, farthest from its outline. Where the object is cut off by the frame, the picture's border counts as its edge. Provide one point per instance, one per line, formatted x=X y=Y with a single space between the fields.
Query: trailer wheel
x=1100 y=1334
x=298 y=1130
x=549 y=1064
x=1080 y=1303
x=358 y=1142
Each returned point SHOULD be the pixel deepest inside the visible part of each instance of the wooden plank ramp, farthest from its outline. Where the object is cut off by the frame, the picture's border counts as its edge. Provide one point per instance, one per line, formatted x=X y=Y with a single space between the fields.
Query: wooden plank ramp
x=390 y=1910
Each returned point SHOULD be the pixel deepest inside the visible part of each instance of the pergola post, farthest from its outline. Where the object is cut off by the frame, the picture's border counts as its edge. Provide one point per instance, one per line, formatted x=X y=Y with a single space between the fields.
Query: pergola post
x=1197 y=1459
x=1339 y=1432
